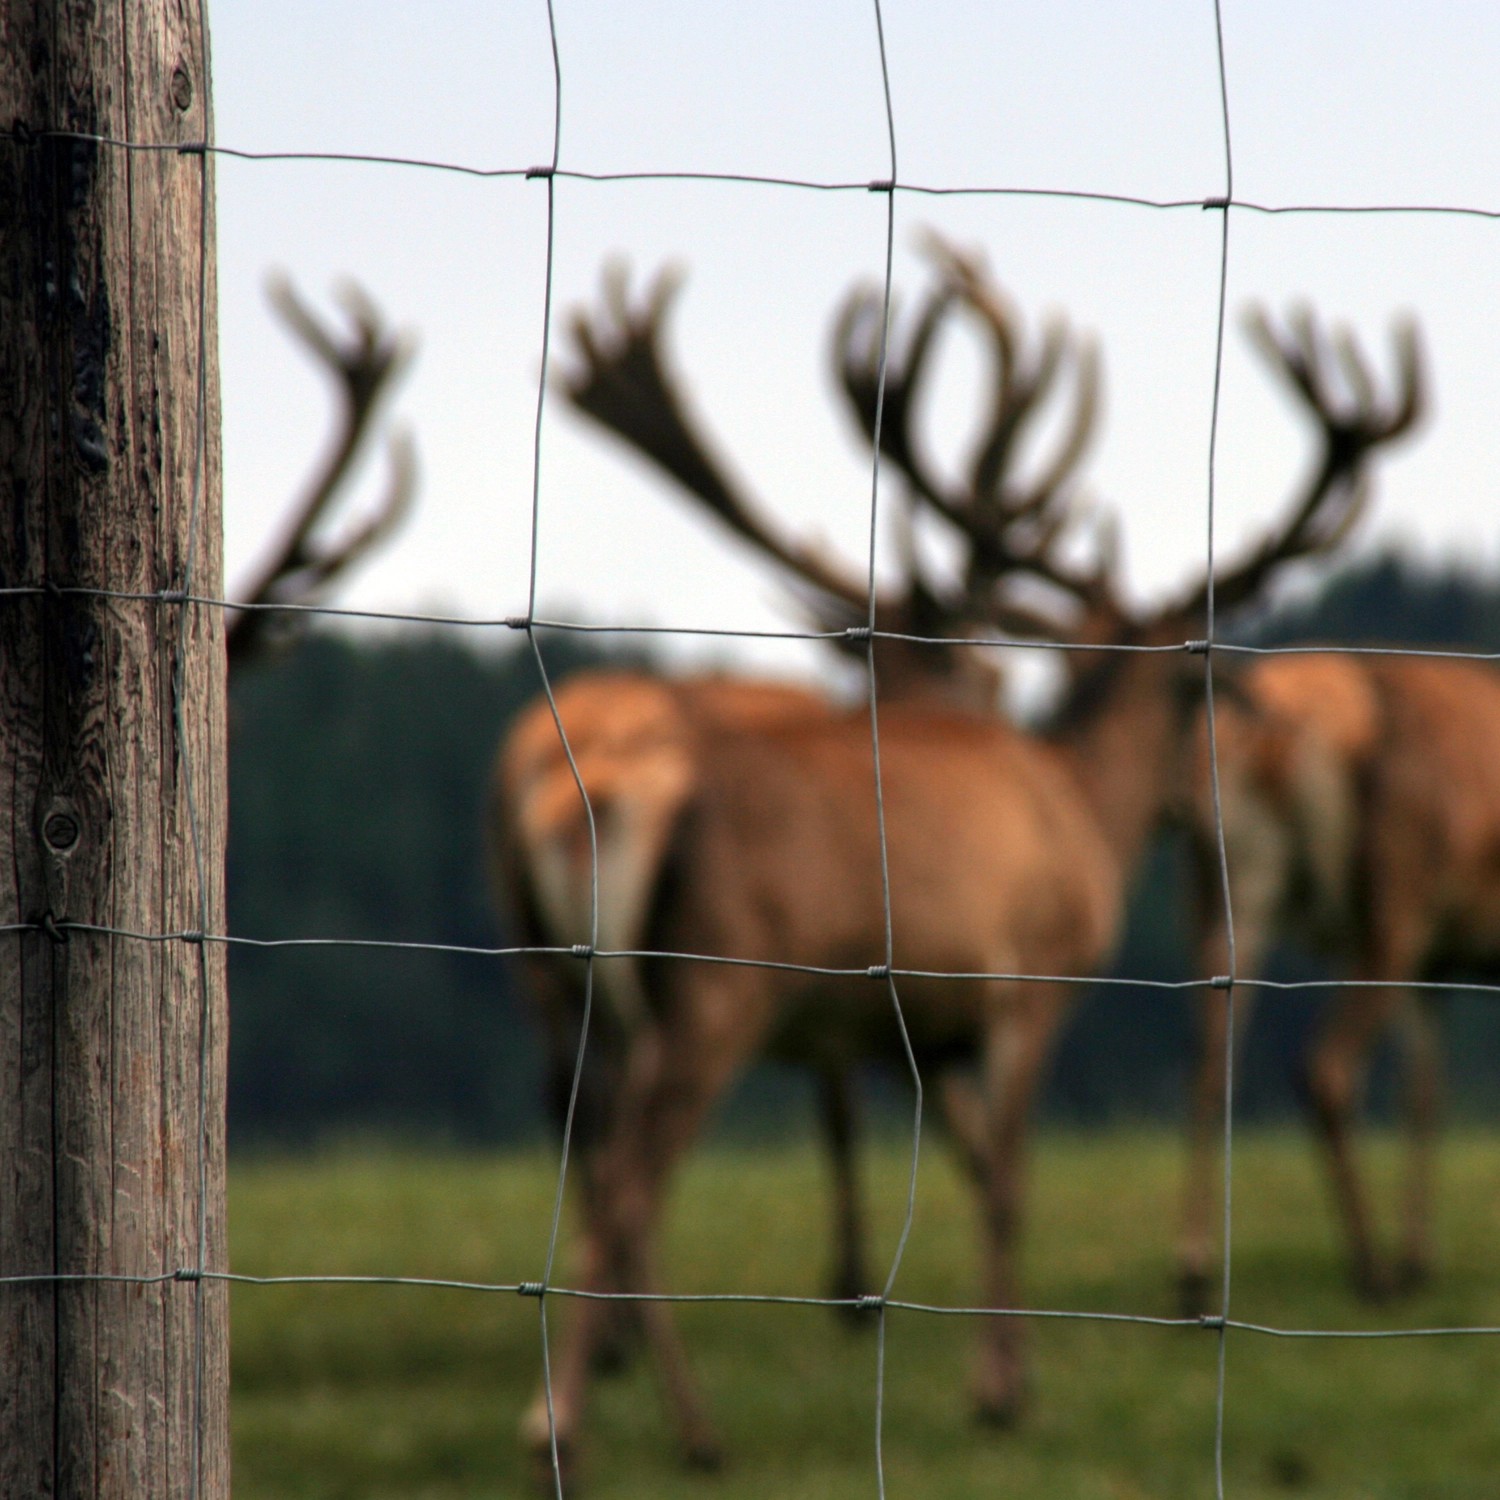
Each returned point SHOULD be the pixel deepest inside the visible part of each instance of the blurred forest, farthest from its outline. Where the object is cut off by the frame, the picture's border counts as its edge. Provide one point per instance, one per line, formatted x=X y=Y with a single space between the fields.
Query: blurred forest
x=357 y=776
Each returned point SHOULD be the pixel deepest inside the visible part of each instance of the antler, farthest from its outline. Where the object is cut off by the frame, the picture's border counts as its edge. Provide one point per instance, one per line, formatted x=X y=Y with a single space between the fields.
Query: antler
x=366 y=362
x=1010 y=525
x=625 y=385
x=857 y=337
x=1353 y=422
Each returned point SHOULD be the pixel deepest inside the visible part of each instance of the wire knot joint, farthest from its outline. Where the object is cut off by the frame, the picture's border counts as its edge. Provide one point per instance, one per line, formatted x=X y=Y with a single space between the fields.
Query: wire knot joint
x=582 y=950
x=532 y=1289
x=878 y=971
x=1221 y=982
x=187 y=1273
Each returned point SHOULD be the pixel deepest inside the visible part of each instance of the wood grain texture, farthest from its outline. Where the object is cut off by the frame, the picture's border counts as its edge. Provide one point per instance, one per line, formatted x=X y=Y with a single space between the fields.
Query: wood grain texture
x=107 y=453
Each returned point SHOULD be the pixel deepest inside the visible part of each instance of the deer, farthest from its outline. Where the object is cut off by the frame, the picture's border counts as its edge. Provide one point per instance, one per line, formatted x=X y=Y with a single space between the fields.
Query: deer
x=616 y=720
x=365 y=361
x=1009 y=851
x=1353 y=812
x=1376 y=830
x=625 y=386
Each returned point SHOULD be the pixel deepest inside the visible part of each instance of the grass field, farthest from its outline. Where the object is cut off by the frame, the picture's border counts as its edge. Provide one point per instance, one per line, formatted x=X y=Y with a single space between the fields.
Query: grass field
x=384 y=1392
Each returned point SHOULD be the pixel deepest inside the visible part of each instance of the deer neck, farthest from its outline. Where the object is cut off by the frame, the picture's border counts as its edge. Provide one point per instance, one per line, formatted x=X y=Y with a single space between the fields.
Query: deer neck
x=1121 y=729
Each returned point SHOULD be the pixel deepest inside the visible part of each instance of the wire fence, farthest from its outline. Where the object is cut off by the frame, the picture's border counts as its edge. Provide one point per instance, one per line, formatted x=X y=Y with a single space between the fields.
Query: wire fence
x=893 y=189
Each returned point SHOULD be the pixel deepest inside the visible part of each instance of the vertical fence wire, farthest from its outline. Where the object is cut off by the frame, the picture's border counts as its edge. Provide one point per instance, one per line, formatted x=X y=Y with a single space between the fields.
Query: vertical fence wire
x=1210 y=633
x=185 y=599
x=549 y=175
x=880 y=822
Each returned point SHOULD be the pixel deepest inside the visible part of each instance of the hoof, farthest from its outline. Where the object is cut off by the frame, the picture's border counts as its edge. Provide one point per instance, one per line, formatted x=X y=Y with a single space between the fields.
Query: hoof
x=609 y=1360
x=1000 y=1416
x=1194 y=1291
x=1003 y=1406
x=619 y=1342
x=543 y=1480
x=616 y=1354
x=1374 y=1284
x=704 y=1456
x=1413 y=1274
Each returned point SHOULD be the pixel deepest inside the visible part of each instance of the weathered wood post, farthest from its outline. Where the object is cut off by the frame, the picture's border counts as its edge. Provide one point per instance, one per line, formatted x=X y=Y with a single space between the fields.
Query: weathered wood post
x=113 y=1350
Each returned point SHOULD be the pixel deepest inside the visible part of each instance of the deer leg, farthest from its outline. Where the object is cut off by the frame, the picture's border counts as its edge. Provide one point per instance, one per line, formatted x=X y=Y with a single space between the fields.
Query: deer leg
x=593 y=1330
x=966 y=1122
x=1015 y=1050
x=1336 y=1074
x=1423 y=1109
x=1257 y=847
x=838 y=1116
x=701 y=1049
x=619 y=1338
x=596 y=1086
x=1198 y=1239
x=589 y=1323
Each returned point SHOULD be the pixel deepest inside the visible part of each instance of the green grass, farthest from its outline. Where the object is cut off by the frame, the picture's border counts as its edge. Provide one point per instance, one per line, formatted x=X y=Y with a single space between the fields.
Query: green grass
x=385 y=1392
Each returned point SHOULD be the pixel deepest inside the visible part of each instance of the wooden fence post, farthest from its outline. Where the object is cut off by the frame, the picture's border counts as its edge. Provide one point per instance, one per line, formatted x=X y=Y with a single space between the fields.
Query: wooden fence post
x=112 y=802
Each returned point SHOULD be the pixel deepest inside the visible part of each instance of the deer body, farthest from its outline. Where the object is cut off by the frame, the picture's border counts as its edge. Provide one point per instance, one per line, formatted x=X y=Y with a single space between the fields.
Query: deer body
x=1362 y=813
x=1007 y=855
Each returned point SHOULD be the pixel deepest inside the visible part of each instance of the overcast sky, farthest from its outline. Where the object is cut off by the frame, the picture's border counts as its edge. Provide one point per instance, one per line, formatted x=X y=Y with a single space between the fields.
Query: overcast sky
x=1331 y=103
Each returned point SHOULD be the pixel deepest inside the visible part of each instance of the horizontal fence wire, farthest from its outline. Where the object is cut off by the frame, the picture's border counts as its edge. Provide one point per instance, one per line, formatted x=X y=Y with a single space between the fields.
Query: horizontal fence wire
x=758 y=180
x=855 y=634
x=872 y=1303
x=59 y=931
x=591 y=953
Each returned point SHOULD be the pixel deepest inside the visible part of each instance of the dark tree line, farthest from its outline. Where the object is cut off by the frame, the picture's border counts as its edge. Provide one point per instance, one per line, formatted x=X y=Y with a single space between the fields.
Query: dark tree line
x=357 y=782
x=357 y=776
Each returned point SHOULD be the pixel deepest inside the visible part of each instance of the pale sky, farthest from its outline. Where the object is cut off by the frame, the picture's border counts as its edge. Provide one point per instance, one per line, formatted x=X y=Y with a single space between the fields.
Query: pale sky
x=1331 y=103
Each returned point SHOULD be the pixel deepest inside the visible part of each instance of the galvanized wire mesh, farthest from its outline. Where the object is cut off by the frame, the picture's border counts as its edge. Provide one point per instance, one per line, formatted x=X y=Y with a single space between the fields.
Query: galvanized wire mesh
x=894 y=191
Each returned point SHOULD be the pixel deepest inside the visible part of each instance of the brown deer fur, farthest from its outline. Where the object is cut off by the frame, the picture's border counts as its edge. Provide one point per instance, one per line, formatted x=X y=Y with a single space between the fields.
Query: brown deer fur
x=1008 y=855
x=1361 y=802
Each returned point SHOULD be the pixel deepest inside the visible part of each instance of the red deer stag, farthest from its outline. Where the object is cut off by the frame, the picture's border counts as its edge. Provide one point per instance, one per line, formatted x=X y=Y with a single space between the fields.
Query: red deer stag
x=1363 y=810
x=635 y=732
x=632 y=736
x=1357 y=811
x=1008 y=855
x=304 y=560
